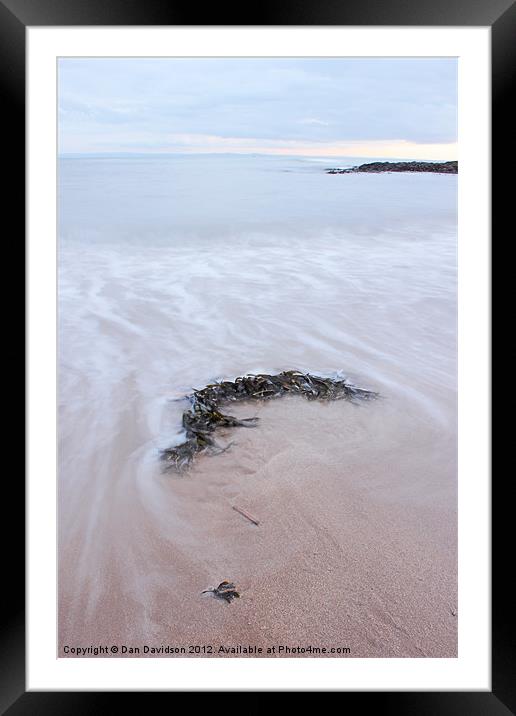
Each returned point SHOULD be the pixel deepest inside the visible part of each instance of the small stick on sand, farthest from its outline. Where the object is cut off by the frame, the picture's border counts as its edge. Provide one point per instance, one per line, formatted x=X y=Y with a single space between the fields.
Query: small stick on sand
x=246 y=514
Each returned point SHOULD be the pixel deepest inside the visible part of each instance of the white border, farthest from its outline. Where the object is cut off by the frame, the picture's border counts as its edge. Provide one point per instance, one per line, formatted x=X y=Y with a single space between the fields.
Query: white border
x=471 y=670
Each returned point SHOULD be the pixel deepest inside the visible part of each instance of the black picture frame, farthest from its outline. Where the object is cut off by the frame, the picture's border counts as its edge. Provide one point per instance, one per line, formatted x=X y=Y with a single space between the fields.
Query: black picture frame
x=15 y=17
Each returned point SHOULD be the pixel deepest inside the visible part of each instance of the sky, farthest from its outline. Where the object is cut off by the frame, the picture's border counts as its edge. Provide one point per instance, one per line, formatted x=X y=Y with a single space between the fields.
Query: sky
x=377 y=107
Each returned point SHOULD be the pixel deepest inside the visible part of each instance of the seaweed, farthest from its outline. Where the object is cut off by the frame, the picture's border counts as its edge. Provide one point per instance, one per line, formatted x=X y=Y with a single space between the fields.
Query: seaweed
x=204 y=416
x=226 y=590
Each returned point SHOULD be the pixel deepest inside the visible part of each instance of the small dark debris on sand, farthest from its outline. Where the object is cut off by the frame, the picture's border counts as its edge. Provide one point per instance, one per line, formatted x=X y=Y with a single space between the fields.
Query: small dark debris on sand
x=246 y=514
x=203 y=416
x=226 y=590
x=378 y=167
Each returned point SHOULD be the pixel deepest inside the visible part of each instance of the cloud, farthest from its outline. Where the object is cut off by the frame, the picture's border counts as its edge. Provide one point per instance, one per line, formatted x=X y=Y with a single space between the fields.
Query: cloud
x=253 y=102
x=313 y=120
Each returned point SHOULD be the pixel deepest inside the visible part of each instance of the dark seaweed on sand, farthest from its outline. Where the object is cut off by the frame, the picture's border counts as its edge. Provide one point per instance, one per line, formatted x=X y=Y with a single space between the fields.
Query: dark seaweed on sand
x=226 y=590
x=204 y=417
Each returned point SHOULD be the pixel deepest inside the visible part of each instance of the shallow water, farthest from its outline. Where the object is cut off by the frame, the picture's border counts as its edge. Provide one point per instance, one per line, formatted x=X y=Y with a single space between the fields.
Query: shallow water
x=175 y=271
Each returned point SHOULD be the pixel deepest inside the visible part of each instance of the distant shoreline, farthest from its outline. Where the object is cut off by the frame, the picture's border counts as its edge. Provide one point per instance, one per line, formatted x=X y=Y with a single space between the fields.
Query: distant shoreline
x=379 y=167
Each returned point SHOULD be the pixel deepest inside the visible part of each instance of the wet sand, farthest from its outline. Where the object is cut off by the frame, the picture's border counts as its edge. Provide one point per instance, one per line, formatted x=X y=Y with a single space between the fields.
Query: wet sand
x=356 y=545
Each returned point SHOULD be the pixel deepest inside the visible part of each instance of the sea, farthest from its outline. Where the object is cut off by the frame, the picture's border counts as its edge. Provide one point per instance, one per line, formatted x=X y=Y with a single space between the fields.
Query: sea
x=178 y=270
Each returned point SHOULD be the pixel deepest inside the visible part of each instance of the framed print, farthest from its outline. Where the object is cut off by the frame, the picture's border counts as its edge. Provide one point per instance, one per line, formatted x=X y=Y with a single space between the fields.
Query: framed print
x=258 y=363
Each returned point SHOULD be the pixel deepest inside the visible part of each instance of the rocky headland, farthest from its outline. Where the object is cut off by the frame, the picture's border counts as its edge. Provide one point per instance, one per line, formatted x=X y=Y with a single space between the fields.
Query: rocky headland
x=377 y=167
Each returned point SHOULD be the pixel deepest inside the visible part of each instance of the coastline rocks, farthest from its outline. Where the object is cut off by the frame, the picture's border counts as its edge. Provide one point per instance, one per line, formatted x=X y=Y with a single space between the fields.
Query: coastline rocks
x=377 y=167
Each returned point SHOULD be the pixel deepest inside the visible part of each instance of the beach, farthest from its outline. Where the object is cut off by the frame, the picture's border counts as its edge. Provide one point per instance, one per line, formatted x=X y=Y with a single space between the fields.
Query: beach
x=178 y=271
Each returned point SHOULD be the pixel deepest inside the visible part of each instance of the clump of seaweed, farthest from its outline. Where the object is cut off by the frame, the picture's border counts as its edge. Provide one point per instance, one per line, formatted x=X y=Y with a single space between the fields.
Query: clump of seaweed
x=204 y=417
x=226 y=590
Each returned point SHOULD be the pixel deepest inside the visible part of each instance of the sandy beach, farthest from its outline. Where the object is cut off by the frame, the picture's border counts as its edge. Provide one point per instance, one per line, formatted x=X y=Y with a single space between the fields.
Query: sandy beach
x=356 y=547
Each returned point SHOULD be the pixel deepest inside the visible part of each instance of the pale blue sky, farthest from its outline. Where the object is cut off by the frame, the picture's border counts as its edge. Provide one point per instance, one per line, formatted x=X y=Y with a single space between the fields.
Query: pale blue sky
x=366 y=107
